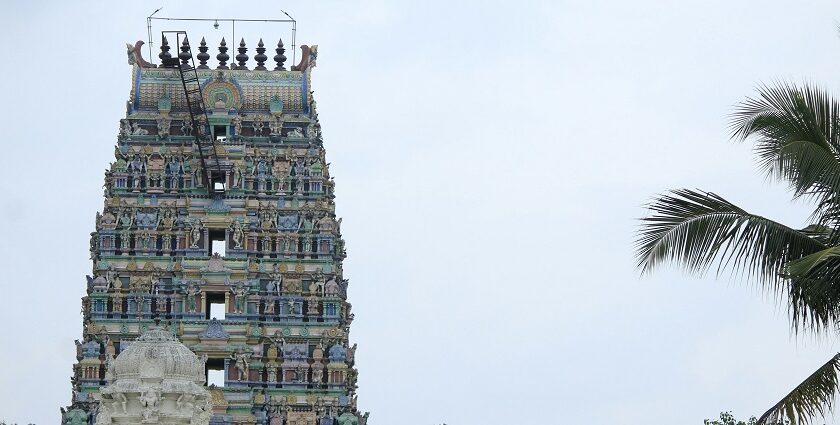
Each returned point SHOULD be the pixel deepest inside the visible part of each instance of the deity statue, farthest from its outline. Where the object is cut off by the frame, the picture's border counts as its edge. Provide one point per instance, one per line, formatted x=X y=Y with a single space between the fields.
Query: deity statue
x=120 y=402
x=317 y=374
x=186 y=126
x=167 y=220
x=125 y=239
x=258 y=125
x=276 y=281
x=351 y=353
x=295 y=133
x=163 y=125
x=242 y=360
x=166 y=241
x=238 y=234
x=240 y=293
x=291 y=244
x=237 y=125
x=331 y=288
x=116 y=302
x=185 y=403
x=269 y=305
x=299 y=185
x=291 y=307
x=127 y=218
x=192 y=292
x=125 y=127
x=195 y=233
x=237 y=178
x=317 y=285
x=146 y=240
x=109 y=366
x=139 y=301
x=278 y=340
x=149 y=400
x=137 y=130
x=276 y=125
x=271 y=371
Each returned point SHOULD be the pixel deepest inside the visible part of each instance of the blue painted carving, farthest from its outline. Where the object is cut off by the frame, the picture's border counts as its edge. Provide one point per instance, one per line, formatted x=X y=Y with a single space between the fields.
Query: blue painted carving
x=276 y=105
x=214 y=330
x=338 y=353
x=90 y=349
x=287 y=222
x=218 y=205
x=147 y=220
x=348 y=419
x=295 y=351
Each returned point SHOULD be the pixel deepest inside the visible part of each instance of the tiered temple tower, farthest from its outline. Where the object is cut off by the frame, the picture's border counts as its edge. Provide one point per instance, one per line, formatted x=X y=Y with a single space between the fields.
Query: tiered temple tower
x=259 y=190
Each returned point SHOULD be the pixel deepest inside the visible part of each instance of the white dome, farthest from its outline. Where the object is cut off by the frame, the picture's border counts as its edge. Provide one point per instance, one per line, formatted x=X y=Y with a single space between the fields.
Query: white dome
x=157 y=354
x=155 y=380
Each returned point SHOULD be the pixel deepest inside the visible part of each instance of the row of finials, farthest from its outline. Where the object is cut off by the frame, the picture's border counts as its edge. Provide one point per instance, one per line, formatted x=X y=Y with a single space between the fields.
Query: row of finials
x=242 y=57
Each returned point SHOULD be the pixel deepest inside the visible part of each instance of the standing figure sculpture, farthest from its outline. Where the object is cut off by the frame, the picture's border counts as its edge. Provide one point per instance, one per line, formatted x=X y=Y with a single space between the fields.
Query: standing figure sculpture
x=241 y=359
x=192 y=292
x=238 y=234
x=240 y=293
x=195 y=233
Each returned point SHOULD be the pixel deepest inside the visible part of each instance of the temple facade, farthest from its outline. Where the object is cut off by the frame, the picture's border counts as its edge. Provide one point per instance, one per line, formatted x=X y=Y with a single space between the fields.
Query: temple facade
x=219 y=228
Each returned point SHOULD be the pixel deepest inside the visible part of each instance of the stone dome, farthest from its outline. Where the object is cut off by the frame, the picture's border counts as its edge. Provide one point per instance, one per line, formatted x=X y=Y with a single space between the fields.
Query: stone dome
x=158 y=354
x=155 y=380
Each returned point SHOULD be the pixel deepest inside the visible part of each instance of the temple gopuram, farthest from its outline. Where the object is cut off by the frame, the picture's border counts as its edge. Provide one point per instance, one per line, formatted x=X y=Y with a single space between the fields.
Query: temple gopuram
x=219 y=229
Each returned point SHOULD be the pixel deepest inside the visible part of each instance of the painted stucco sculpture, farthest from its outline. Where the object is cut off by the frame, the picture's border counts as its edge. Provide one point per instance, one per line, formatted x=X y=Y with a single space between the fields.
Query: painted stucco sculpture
x=283 y=344
x=155 y=380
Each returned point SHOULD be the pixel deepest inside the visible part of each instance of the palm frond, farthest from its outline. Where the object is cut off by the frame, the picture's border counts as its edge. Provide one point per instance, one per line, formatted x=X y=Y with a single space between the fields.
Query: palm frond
x=696 y=229
x=813 y=397
x=814 y=290
x=797 y=132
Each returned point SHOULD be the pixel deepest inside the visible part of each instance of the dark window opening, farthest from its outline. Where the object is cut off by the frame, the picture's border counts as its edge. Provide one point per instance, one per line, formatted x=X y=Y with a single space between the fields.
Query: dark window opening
x=220 y=133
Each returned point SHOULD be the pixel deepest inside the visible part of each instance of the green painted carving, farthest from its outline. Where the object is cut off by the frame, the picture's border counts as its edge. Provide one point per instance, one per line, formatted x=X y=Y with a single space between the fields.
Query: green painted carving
x=276 y=105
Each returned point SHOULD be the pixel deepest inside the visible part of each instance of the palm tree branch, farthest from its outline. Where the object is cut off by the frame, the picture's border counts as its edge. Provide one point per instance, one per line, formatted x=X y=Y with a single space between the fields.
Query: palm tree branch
x=814 y=396
x=796 y=132
x=695 y=229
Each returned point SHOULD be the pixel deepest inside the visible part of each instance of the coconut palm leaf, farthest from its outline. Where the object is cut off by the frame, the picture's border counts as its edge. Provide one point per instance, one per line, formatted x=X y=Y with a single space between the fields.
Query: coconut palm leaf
x=813 y=397
x=797 y=138
x=696 y=229
x=814 y=290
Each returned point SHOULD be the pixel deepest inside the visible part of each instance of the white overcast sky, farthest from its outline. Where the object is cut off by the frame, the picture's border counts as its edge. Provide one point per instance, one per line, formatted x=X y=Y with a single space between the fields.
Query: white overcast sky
x=491 y=159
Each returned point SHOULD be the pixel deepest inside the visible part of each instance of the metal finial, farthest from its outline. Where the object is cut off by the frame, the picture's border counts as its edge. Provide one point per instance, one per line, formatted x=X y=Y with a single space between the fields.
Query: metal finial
x=222 y=57
x=164 y=50
x=279 y=58
x=242 y=57
x=186 y=53
x=202 y=56
x=260 y=57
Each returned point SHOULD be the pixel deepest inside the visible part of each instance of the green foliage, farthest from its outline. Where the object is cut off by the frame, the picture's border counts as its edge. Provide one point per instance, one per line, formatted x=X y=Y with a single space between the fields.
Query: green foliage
x=726 y=418
x=796 y=135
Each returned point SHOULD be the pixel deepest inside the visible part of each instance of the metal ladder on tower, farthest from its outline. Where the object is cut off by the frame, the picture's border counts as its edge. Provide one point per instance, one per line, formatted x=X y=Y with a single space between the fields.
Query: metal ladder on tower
x=195 y=101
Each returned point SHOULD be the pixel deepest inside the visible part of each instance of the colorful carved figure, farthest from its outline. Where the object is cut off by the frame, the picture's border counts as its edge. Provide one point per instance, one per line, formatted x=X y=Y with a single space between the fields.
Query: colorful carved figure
x=240 y=292
x=241 y=362
x=192 y=293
